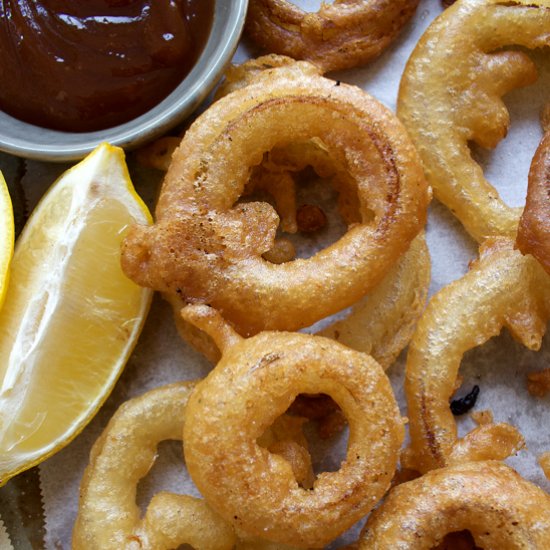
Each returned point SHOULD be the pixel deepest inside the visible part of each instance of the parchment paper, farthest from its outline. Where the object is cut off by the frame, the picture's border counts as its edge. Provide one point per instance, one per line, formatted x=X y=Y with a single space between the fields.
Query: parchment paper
x=160 y=357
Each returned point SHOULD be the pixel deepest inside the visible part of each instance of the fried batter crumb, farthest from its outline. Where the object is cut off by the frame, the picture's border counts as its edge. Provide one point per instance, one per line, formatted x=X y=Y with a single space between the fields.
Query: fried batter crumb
x=158 y=154
x=482 y=418
x=545 y=117
x=283 y=251
x=310 y=218
x=322 y=409
x=538 y=383
x=544 y=462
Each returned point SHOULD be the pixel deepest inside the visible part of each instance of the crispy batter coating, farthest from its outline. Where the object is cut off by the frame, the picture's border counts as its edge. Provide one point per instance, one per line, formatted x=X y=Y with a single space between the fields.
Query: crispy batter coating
x=382 y=323
x=545 y=117
x=286 y=438
x=243 y=74
x=502 y=289
x=544 y=462
x=498 y=507
x=158 y=154
x=340 y=35
x=108 y=516
x=206 y=248
x=282 y=251
x=482 y=417
x=450 y=94
x=253 y=384
x=534 y=226
x=310 y=218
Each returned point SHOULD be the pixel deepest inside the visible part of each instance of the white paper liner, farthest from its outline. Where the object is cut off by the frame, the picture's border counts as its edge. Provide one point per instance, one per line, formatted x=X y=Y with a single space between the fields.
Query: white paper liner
x=499 y=367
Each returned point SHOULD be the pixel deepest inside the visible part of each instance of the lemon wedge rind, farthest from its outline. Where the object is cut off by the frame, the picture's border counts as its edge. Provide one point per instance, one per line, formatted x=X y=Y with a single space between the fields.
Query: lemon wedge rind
x=6 y=237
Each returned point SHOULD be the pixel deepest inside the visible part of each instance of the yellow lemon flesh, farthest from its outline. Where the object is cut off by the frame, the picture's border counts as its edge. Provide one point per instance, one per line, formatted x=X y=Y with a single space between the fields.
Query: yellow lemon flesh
x=71 y=317
x=6 y=237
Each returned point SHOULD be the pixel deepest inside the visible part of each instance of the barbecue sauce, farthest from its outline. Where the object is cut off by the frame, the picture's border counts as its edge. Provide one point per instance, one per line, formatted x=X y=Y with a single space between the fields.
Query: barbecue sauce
x=85 y=65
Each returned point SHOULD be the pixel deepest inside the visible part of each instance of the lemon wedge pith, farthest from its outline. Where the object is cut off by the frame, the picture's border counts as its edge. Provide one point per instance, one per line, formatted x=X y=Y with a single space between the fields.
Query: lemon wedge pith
x=71 y=317
x=6 y=236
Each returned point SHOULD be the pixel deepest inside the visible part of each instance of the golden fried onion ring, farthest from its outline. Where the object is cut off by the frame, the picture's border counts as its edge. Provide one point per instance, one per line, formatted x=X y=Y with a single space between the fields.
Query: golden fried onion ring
x=255 y=382
x=502 y=289
x=108 y=516
x=340 y=35
x=534 y=226
x=500 y=509
x=451 y=92
x=204 y=248
x=382 y=323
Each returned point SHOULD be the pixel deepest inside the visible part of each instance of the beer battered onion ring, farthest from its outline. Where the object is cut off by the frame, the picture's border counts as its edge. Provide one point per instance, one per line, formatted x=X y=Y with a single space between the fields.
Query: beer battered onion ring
x=205 y=248
x=502 y=289
x=381 y=324
x=340 y=35
x=108 y=516
x=450 y=94
x=534 y=226
x=255 y=382
x=500 y=509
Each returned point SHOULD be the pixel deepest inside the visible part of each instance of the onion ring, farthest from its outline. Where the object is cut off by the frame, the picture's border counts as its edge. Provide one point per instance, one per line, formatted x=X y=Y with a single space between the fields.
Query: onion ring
x=108 y=515
x=204 y=249
x=255 y=382
x=237 y=76
x=499 y=508
x=502 y=289
x=382 y=323
x=341 y=35
x=534 y=226
x=450 y=94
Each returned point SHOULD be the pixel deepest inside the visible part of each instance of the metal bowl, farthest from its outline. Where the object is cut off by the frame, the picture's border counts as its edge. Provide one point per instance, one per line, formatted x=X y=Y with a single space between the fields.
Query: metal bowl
x=30 y=141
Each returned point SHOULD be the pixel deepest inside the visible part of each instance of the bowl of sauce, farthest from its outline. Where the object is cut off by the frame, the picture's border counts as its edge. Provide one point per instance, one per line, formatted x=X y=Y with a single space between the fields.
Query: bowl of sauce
x=75 y=73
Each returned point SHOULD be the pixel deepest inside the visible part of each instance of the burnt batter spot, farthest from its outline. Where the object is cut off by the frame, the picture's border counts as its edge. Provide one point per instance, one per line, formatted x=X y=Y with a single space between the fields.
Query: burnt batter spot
x=464 y=404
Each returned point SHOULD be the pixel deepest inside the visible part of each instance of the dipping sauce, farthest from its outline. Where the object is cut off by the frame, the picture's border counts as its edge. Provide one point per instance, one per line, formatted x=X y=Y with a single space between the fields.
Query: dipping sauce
x=84 y=65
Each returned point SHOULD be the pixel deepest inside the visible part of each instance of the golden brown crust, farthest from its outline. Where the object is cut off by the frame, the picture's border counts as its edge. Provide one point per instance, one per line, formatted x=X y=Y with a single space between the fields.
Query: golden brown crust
x=450 y=94
x=383 y=322
x=544 y=462
x=108 y=516
x=205 y=249
x=158 y=154
x=340 y=35
x=482 y=418
x=545 y=118
x=534 y=226
x=490 y=500
x=255 y=382
x=243 y=74
x=502 y=289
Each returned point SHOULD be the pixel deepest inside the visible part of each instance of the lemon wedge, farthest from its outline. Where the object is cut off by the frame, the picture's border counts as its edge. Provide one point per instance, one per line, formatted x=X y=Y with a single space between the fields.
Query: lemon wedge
x=6 y=237
x=71 y=317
